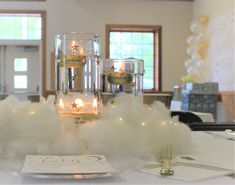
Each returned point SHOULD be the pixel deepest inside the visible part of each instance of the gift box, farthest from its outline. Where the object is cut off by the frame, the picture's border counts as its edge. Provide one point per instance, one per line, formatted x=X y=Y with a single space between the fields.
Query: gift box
x=201 y=97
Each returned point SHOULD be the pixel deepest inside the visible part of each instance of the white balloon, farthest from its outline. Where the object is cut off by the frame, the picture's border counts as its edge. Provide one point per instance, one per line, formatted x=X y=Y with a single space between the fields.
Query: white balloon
x=195 y=57
x=191 y=70
x=199 y=36
x=191 y=39
x=196 y=66
x=196 y=27
x=192 y=49
x=198 y=63
x=193 y=26
x=187 y=63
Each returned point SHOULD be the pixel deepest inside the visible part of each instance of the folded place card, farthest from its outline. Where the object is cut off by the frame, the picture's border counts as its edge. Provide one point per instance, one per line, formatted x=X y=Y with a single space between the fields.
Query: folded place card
x=187 y=172
x=80 y=164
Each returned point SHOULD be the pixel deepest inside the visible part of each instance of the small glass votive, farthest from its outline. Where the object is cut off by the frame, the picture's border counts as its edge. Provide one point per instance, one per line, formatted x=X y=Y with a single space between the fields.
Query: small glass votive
x=123 y=75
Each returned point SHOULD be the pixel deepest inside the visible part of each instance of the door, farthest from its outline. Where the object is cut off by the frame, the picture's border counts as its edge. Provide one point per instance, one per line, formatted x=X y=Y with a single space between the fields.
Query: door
x=21 y=69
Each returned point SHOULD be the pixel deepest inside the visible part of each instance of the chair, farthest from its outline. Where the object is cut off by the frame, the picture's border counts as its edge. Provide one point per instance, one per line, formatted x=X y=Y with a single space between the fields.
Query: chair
x=165 y=98
x=34 y=98
x=187 y=117
x=3 y=96
x=212 y=126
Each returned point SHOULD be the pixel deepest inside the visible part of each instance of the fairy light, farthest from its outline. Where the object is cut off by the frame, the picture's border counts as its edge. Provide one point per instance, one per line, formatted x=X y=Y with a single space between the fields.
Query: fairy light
x=32 y=112
x=143 y=124
x=176 y=124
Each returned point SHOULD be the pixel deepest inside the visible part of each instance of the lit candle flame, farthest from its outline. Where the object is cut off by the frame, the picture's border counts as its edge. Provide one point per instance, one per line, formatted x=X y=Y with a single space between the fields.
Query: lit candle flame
x=74 y=47
x=73 y=43
x=81 y=50
x=61 y=103
x=79 y=102
x=94 y=103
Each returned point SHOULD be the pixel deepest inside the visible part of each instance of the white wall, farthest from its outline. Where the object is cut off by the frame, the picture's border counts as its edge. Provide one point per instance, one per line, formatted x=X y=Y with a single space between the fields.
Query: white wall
x=92 y=15
x=213 y=8
x=221 y=30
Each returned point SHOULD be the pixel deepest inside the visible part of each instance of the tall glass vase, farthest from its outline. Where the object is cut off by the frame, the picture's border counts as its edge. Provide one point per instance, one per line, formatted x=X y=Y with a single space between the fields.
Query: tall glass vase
x=78 y=75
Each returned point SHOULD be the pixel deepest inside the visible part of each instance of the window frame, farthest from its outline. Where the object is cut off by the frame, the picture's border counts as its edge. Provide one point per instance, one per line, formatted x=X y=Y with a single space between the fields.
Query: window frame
x=157 y=50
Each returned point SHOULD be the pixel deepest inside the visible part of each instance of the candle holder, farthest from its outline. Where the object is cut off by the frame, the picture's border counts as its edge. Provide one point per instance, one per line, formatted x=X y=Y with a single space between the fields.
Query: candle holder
x=120 y=78
x=77 y=75
x=164 y=156
x=123 y=75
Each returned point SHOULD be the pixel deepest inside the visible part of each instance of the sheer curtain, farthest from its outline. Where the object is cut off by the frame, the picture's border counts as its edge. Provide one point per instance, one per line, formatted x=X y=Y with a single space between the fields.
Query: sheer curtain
x=221 y=58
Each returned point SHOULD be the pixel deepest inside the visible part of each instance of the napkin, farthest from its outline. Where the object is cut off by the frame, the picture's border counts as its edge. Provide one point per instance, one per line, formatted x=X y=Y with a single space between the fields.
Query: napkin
x=190 y=172
x=80 y=164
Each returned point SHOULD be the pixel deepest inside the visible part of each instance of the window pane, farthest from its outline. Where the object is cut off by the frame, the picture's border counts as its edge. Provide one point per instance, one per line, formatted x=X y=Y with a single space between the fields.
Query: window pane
x=20 y=64
x=20 y=81
x=139 y=45
x=137 y=38
x=20 y=26
x=148 y=38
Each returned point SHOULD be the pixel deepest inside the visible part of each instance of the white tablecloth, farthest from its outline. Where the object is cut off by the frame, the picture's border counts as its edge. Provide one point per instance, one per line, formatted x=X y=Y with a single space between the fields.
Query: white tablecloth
x=208 y=147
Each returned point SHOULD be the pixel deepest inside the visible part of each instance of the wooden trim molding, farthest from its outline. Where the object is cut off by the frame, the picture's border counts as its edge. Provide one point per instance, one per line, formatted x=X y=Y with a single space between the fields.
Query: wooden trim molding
x=157 y=30
x=53 y=70
x=43 y=15
x=44 y=49
x=228 y=100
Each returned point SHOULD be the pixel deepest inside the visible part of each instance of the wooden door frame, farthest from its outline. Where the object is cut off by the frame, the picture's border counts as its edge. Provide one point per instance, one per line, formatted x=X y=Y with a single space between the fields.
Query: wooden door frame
x=43 y=39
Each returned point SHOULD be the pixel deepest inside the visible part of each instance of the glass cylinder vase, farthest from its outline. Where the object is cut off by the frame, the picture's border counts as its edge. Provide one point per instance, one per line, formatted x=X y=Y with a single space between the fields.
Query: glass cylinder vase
x=123 y=75
x=77 y=74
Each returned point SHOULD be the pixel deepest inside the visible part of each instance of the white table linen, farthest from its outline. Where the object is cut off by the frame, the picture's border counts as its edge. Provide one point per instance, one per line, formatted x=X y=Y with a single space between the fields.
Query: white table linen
x=207 y=148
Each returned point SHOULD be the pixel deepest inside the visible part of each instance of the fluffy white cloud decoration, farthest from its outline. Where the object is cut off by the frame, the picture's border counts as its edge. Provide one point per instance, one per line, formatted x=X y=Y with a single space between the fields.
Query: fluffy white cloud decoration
x=129 y=128
x=32 y=128
x=125 y=129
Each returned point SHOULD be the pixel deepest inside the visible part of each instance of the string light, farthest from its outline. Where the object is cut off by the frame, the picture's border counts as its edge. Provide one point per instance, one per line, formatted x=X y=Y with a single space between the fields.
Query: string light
x=32 y=112
x=176 y=124
x=143 y=124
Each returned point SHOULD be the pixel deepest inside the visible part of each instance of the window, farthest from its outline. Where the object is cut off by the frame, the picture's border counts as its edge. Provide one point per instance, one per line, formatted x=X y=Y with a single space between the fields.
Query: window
x=20 y=73
x=20 y=81
x=20 y=64
x=20 y=26
x=140 y=42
